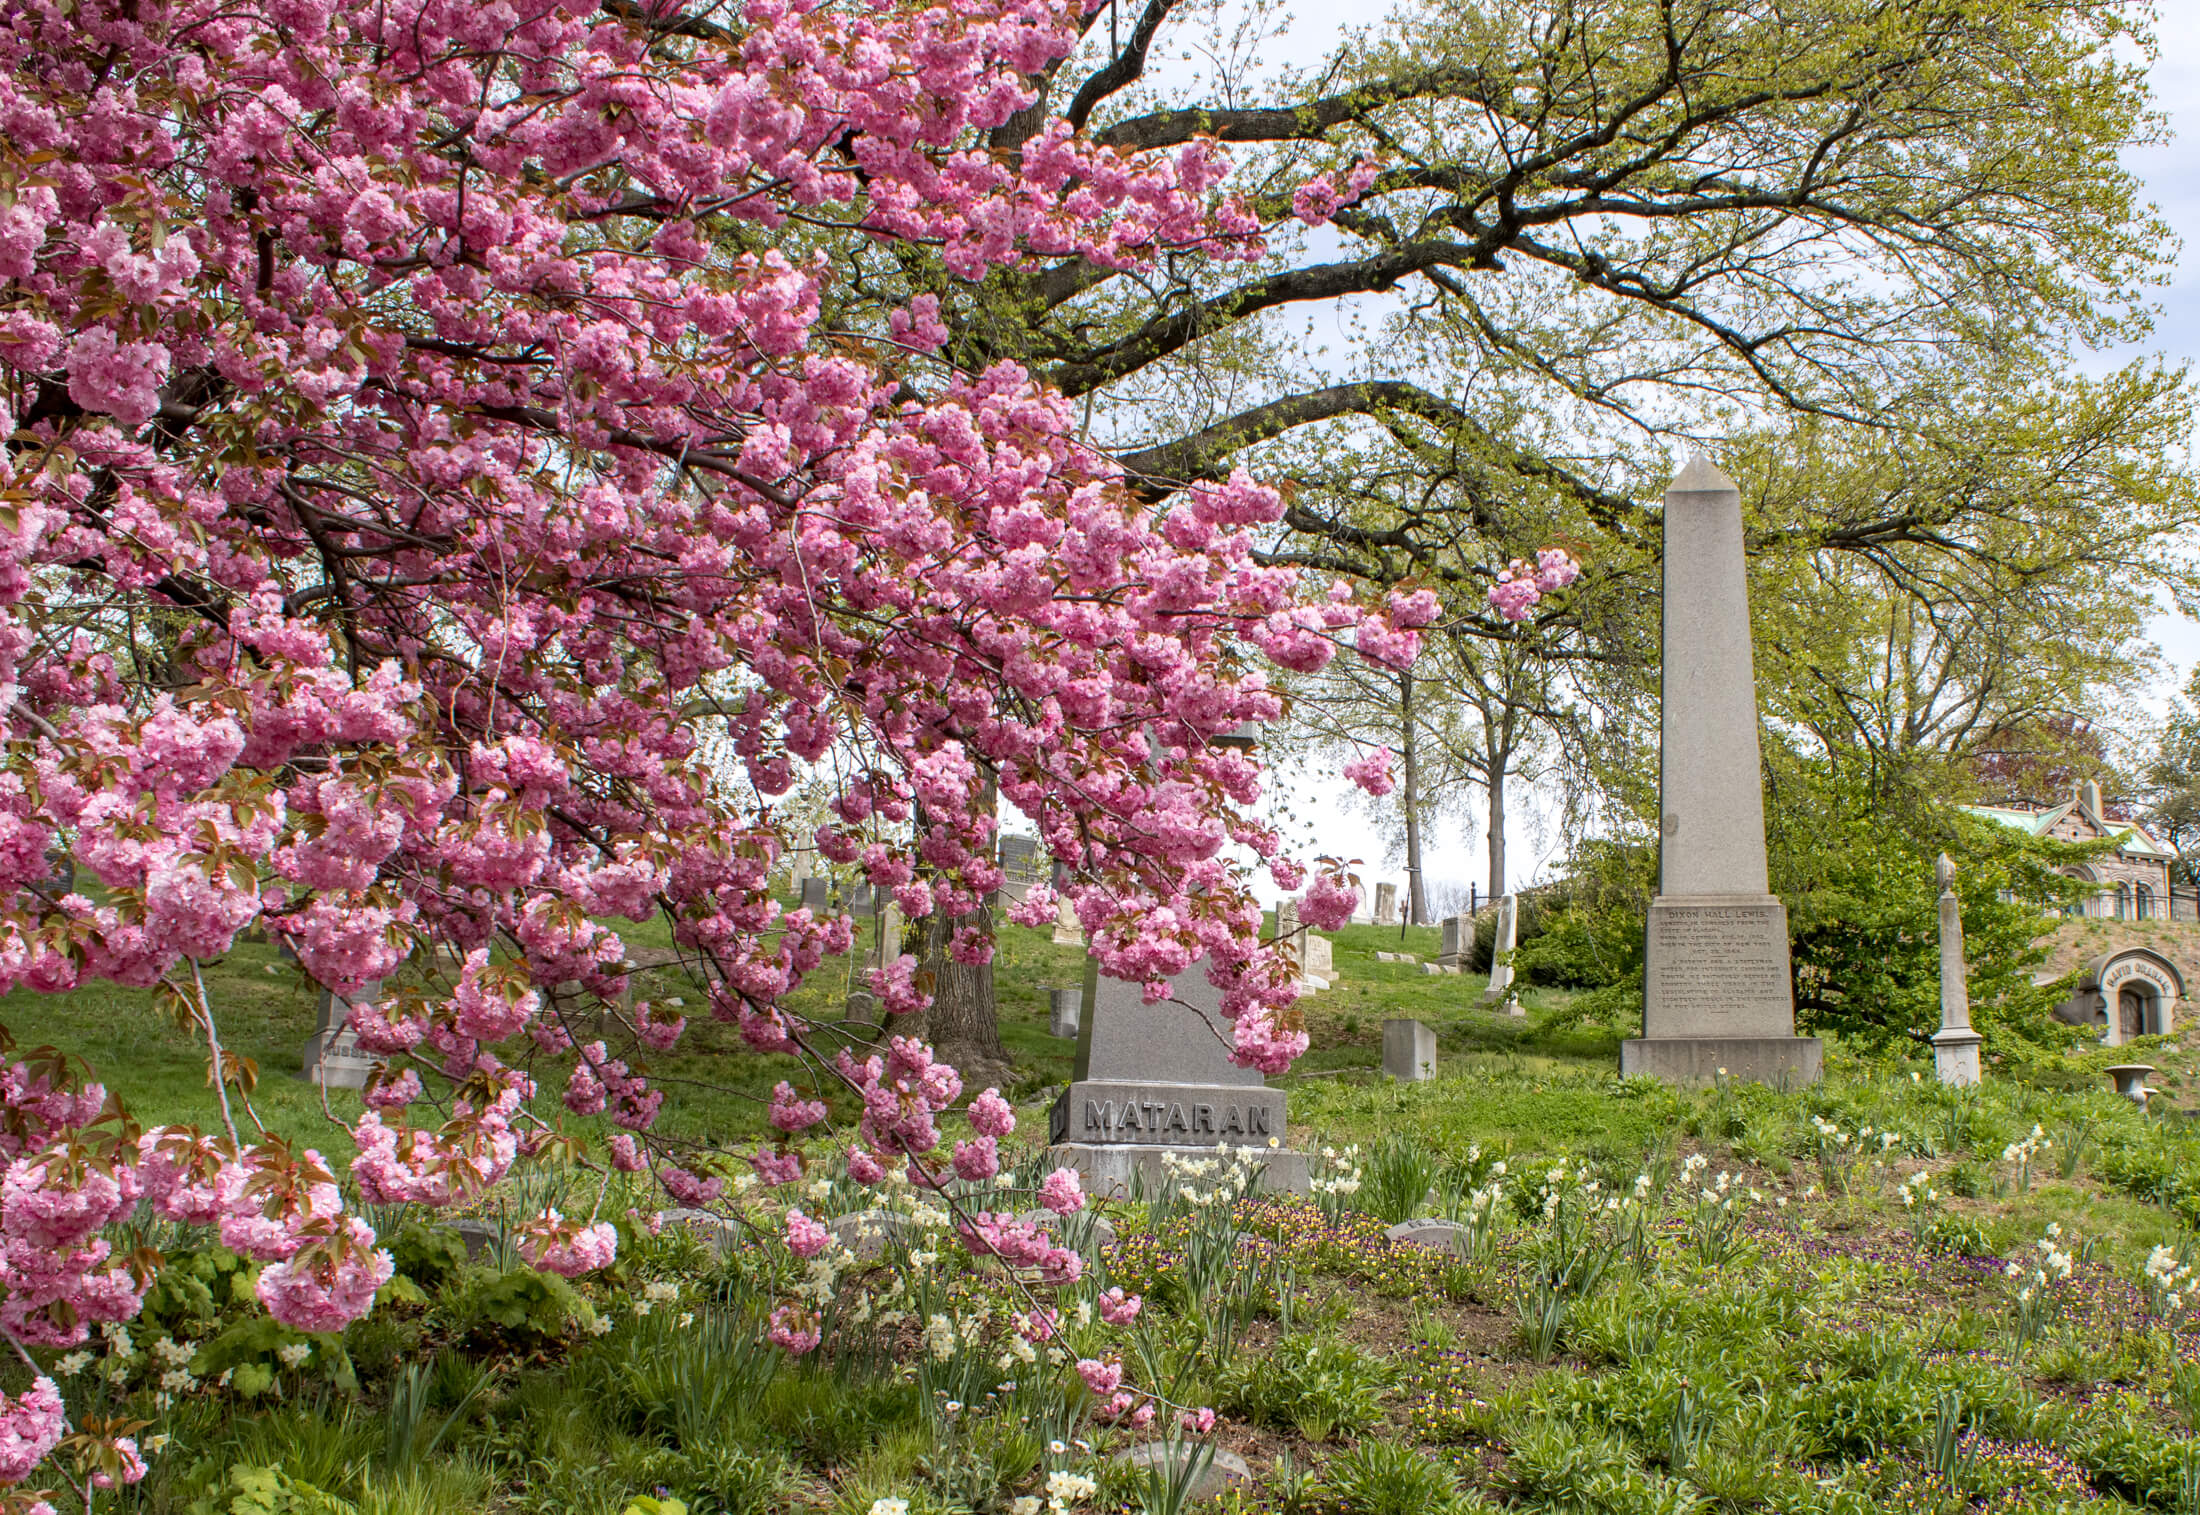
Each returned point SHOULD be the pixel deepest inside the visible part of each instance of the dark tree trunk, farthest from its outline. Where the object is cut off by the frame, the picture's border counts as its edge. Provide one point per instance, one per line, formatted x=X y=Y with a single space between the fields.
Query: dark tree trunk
x=964 y=1024
x=1410 y=802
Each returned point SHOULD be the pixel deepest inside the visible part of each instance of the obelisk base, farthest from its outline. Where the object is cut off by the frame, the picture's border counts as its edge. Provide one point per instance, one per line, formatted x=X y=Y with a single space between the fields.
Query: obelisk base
x=1955 y=1058
x=1784 y=1062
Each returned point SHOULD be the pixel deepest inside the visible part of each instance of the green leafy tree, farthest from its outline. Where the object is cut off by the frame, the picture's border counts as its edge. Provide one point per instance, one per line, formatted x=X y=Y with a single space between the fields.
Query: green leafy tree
x=1854 y=864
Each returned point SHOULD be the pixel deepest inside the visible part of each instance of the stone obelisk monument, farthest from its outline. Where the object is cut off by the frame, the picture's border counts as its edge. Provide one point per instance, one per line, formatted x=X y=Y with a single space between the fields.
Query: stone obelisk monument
x=1955 y=1046
x=1718 y=996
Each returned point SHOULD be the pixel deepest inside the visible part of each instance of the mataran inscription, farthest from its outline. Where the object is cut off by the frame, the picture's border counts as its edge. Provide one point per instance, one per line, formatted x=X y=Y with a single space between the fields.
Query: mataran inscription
x=1170 y=1120
x=1142 y=1113
x=1718 y=970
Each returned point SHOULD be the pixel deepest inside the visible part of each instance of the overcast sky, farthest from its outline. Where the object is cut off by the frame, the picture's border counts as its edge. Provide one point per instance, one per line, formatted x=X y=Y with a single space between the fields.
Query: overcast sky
x=2171 y=173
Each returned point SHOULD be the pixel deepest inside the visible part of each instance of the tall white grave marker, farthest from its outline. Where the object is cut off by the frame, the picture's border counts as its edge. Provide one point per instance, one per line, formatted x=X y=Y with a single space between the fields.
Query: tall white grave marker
x=1955 y=1046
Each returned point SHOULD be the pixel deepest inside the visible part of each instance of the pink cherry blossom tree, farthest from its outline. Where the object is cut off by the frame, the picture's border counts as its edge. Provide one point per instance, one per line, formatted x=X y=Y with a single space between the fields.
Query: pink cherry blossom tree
x=438 y=522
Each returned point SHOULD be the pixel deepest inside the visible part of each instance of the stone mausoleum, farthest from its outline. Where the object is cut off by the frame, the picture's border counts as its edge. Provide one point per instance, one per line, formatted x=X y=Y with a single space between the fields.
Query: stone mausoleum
x=2133 y=940
x=2134 y=879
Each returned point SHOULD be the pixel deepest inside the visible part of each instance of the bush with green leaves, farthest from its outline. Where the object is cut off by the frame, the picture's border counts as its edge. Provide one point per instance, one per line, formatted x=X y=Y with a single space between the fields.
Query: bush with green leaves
x=518 y=1305
x=1378 y=1476
x=1317 y=1384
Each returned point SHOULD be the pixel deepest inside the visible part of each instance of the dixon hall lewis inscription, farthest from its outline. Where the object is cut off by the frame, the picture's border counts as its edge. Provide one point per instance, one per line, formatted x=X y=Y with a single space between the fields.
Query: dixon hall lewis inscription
x=1719 y=968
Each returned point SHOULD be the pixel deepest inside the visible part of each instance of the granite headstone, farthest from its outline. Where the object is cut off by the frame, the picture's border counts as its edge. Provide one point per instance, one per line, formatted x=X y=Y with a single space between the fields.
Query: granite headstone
x=1065 y=1009
x=1150 y=1079
x=1321 y=959
x=1290 y=935
x=1409 y=1051
x=1500 y=993
x=1457 y=944
x=1386 y=904
x=332 y=1056
x=1020 y=868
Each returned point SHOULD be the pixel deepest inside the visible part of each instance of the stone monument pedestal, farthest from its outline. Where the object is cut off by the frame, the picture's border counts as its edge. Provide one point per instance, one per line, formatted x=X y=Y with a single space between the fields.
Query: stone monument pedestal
x=1107 y=1170
x=1785 y=1062
x=1955 y=1058
x=1717 y=999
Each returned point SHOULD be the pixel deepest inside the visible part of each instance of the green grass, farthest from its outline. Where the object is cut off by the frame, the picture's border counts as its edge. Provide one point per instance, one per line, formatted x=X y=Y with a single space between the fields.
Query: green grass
x=717 y=1089
x=1559 y=1368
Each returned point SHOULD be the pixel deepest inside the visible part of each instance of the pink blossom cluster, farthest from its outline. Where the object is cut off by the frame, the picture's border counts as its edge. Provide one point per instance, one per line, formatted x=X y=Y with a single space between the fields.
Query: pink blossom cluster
x=557 y=1245
x=1521 y=585
x=1372 y=772
x=536 y=472
x=31 y=1425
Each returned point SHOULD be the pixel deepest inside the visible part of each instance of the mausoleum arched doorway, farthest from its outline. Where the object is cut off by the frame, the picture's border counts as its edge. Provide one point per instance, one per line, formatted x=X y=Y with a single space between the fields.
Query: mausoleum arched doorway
x=2134 y=992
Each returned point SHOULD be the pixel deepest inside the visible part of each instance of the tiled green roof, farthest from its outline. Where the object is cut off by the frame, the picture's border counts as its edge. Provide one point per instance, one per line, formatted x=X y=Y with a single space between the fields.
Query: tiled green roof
x=2037 y=822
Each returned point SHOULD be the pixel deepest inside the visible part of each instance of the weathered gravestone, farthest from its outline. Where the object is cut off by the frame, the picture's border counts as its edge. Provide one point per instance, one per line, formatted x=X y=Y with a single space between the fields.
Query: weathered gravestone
x=60 y=873
x=863 y=899
x=1065 y=1009
x=817 y=894
x=1433 y=1232
x=1717 y=992
x=1458 y=941
x=1321 y=959
x=1290 y=935
x=1386 y=904
x=1499 y=994
x=1151 y=1079
x=1955 y=1045
x=863 y=1006
x=1020 y=869
x=332 y=1055
x=1178 y=1463
x=1409 y=1051
x=1067 y=931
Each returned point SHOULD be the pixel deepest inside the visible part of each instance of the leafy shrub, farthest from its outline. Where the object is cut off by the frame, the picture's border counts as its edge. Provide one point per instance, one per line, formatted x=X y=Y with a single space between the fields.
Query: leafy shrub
x=2128 y=1456
x=686 y=1382
x=268 y=1491
x=1396 y=1179
x=1378 y=1477
x=315 y=1451
x=527 y=1307
x=1568 y=1468
x=251 y=1351
x=1859 y=1417
x=196 y=1287
x=428 y=1255
x=1956 y=1235
x=1967 y=1179
x=828 y=1416
x=1318 y=1385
